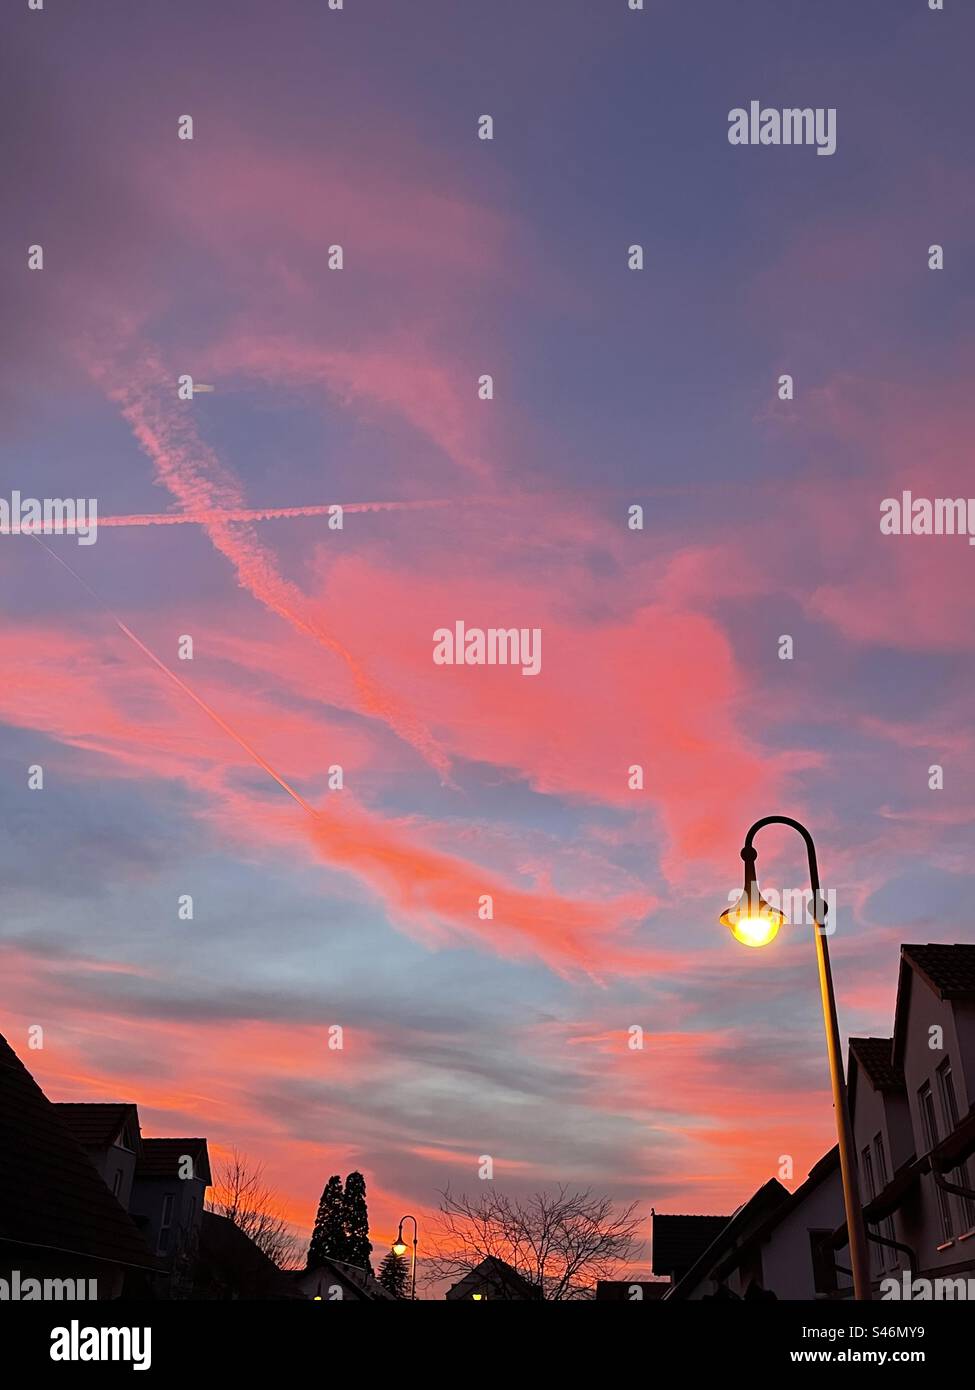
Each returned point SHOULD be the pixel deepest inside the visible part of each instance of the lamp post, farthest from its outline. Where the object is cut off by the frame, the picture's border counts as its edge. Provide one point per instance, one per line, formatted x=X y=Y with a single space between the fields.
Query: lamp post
x=399 y=1248
x=753 y=922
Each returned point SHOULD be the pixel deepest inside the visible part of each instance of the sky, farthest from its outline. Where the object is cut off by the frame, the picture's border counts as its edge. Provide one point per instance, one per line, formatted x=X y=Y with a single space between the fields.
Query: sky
x=316 y=907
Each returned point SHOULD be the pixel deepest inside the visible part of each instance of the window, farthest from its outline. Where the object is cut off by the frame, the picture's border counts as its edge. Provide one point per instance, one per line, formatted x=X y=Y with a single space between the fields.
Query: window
x=823 y=1262
x=867 y=1166
x=929 y=1121
x=870 y=1190
x=888 y=1256
x=166 y=1223
x=117 y=1182
x=949 y=1108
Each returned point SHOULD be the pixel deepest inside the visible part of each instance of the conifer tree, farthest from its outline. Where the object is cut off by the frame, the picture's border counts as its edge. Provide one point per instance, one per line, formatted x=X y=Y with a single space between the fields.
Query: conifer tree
x=394 y=1274
x=328 y=1239
x=355 y=1222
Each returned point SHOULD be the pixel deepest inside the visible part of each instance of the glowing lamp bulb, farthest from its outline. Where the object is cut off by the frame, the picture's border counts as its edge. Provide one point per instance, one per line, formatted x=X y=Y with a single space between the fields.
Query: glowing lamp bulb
x=752 y=921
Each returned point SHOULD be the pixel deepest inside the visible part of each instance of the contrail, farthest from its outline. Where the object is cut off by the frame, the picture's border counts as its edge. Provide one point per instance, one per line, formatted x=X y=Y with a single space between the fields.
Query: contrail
x=262 y=513
x=211 y=713
x=201 y=484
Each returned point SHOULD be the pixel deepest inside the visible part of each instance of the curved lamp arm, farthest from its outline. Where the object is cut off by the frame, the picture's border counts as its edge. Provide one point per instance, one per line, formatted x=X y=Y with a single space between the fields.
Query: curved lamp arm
x=749 y=854
x=415 y=1230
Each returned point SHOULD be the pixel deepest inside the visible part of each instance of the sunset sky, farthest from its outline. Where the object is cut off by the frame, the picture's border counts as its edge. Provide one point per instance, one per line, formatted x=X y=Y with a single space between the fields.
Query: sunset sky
x=466 y=1037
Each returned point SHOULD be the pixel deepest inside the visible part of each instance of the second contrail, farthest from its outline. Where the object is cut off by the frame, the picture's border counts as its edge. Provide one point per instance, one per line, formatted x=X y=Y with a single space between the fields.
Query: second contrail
x=263 y=513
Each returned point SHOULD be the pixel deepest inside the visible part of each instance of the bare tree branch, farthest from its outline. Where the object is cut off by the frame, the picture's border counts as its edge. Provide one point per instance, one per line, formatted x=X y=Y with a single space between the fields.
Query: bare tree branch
x=241 y=1194
x=561 y=1241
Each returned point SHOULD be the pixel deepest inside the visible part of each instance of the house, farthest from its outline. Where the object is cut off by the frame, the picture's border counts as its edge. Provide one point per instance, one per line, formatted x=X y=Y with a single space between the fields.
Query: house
x=678 y=1240
x=58 y=1219
x=110 y=1136
x=789 y=1254
x=728 y=1267
x=161 y=1183
x=912 y=1101
x=912 y=1109
x=494 y=1279
x=335 y=1281
x=168 y=1193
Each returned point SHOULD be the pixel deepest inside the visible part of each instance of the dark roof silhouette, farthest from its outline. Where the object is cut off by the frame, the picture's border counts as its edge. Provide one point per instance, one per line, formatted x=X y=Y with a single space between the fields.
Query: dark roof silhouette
x=94 y=1125
x=497 y=1278
x=230 y=1265
x=818 y=1173
x=769 y=1196
x=52 y=1194
x=678 y=1240
x=875 y=1056
x=949 y=970
x=161 y=1158
x=367 y=1284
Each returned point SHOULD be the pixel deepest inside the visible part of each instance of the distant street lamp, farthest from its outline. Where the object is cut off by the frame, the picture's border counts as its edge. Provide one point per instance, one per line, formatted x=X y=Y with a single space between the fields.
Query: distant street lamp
x=399 y=1248
x=753 y=922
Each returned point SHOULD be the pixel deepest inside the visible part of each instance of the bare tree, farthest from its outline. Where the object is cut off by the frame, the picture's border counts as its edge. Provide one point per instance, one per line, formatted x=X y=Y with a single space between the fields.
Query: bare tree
x=241 y=1194
x=561 y=1241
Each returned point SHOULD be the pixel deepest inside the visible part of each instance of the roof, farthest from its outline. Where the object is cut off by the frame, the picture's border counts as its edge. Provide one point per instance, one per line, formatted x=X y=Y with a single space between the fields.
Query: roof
x=875 y=1056
x=948 y=971
x=161 y=1158
x=678 y=1240
x=821 y=1169
x=53 y=1196
x=771 y=1195
x=498 y=1275
x=360 y=1279
x=230 y=1265
x=95 y=1125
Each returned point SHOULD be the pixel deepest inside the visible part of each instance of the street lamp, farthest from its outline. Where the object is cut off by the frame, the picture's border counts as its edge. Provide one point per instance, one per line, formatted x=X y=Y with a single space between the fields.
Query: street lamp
x=399 y=1248
x=753 y=922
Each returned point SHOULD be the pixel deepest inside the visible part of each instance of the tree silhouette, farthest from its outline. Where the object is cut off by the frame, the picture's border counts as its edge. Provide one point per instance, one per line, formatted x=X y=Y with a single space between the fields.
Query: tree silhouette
x=355 y=1223
x=562 y=1242
x=328 y=1239
x=394 y=1274
x=241 y=1194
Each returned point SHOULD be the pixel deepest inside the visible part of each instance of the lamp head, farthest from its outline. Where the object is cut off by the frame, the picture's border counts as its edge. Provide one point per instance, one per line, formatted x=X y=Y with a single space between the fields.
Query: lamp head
x=399 y=1246
x=751 y=920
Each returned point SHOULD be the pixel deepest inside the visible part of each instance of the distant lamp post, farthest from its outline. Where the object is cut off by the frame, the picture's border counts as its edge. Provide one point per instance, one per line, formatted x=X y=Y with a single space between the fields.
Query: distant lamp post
x=753 y=922
x=399 y=1248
